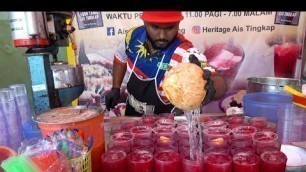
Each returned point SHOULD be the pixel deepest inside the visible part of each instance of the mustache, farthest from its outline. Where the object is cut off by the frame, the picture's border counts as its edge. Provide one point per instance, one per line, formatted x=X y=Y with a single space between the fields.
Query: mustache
x=161 y=40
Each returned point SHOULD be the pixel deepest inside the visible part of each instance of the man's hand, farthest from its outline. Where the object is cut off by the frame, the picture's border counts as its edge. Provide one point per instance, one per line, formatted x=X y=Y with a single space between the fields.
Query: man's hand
x=111 y=98
x=209 y=86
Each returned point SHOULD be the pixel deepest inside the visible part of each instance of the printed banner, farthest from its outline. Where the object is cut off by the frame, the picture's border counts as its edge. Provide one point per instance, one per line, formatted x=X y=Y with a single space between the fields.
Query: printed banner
x=241 y=44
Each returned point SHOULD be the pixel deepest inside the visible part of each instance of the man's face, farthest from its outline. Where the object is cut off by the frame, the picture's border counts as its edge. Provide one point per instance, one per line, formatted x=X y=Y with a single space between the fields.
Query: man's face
x=161 y=34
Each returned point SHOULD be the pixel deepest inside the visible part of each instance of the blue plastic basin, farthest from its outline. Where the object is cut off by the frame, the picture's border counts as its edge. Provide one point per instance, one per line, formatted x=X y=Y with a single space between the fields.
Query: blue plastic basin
x=264 y=104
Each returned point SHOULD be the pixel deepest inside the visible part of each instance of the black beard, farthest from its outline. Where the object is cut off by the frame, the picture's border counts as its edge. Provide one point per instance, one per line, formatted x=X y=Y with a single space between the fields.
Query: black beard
x=155 y=46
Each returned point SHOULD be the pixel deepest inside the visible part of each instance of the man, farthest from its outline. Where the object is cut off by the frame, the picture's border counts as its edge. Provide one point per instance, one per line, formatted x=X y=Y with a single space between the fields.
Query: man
x=148 y=53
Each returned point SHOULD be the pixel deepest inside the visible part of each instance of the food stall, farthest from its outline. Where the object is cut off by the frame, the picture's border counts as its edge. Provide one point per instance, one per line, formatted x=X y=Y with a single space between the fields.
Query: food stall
x=256 y=126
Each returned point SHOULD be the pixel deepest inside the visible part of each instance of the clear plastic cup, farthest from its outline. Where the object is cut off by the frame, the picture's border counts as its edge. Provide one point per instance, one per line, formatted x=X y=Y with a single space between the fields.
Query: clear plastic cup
x=242 y=145
x=181 y=122
x=165 y=123
x=237 y=119
x=123 y=138
x=216 y=137
x=143 y=144
x=194 y=165
x=159 y=146
x=21 y=97
x=141 y=131
x=167 y=160
x=114 y=160
x=214 y=124
x=126 y=147
x=218 y=162
x=127 y=124
x=149 y=118
x=246 y=161
x=243 y=132
x=164 y=134
x=265 y=139
x=166 y=116
x=259 y=122
x=273 y=161
x=10 y=110
x=140 y=160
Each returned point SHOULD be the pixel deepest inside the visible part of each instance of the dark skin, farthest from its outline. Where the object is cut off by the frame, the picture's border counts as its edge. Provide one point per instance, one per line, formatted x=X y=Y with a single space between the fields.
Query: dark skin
x=160 y=36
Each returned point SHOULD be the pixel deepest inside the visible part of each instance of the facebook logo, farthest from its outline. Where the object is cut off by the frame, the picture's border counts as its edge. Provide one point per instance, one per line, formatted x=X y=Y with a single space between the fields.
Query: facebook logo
x=110 y=31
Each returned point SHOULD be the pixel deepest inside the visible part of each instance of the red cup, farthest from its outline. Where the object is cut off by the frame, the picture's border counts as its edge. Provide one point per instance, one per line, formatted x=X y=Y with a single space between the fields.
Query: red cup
x=182 y=132
x=243 y=132
x=181 y=122
x=141 y=131
x=273 y=161
x=126 y=147
x=189 y=165
x=236 y=119
x=225 y=151
x=114 y=160
x=159 y=146
x=217 y=137
x=259 y=122
x=143 y=144
x=218 y=162
x=285 y=57
x=164 y=134
x=266 y=149
x=124 y=137
x=166 y=116
x=140 y=160
x=242 y=145
x=264 y=139
x=246 y=162
x=149 y=118
x=149 y=124
x=127 y=124
x=214 y=124
x=164 y=122
x=167 y=161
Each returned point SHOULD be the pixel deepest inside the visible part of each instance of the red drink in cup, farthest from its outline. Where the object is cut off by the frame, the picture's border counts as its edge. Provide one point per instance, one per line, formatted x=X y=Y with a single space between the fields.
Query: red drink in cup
x=143 y=144
x=189 y=165
x=242 y=145
x=273 y=161
x=183 y=132
x=141 y=131
x=166 y=116
x=217 y=137
x=181 y=122
x=238 y=119
x=243 y=132
x=226 y=58
x=165 y=123
x=285 y=56
x=259 y=122
x=126 y=147
x=114 y=161
x=264 y=139
x=164 y=134
x=246 y=162
x=167 y=161
x=171 y=146
x=149 y=118
x=266 y=149
x=124 y=137
x=215 y=124
x=140 y=160
x=128 y=124
x=217 y=162
x=225 y=151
